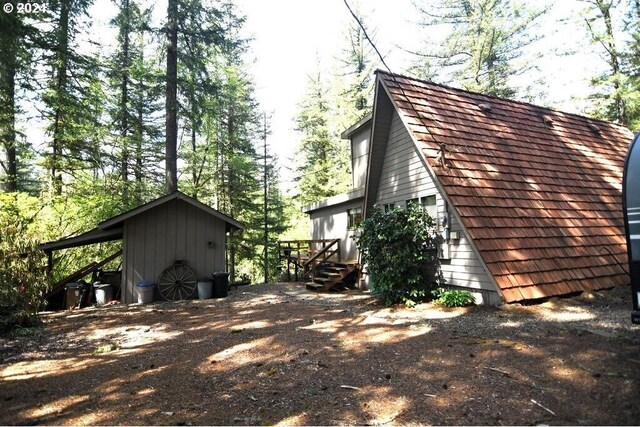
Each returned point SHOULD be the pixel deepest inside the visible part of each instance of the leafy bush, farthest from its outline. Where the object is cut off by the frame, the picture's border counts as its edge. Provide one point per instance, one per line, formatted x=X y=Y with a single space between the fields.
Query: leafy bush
x=399 y=248
x=453 y=298
x=23 y=281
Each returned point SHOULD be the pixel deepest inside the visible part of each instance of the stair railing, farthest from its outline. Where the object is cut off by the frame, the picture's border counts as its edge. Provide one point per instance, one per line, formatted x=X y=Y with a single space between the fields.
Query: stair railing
x=327 y=251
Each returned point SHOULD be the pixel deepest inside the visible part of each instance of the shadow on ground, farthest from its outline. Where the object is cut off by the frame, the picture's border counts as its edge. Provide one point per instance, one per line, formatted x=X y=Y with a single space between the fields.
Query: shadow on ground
x=269 y=357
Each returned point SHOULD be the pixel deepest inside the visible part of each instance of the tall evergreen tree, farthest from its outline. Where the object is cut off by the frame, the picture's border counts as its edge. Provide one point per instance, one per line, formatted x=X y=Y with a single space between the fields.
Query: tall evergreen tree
x=484 y=48
x=358 y=63
x=134 y=80
x=71 y=97
x=171 y=101
x=322 y=169
x=615 y=94
x=18 y=40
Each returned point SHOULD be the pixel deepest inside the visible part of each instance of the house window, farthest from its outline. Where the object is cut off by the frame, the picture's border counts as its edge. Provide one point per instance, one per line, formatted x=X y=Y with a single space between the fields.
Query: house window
x=427 y=203
x=388 y=207
x=354 y=218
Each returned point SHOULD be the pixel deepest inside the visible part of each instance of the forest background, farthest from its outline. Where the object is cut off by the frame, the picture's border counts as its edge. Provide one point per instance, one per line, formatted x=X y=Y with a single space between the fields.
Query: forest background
x=108 y=105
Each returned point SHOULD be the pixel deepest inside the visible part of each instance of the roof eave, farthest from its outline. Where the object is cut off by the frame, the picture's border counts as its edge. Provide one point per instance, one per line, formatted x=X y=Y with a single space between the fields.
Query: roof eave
x=357 y=126
x=338 y=199
x=96 y=235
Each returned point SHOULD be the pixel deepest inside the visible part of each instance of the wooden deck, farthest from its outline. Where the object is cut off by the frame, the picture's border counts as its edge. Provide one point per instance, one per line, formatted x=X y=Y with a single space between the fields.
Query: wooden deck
x=318 y=263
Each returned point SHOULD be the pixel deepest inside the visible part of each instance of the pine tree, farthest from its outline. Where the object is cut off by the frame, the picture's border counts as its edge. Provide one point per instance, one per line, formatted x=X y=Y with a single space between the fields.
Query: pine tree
x=485 y=46
x=322 y=169
x=134 y=85
x=18 y=40
x=632 y=60
x=171 y=100
x=615 y=94
x=357 y=65
x=73 y=97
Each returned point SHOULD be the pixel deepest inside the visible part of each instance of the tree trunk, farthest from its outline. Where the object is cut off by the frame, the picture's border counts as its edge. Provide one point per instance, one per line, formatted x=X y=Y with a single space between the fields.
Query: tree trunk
x=614 y=63
x=266 y=205
x=8 y=113
x=171 y=144
x=194 y=173
x=124 y=100
x=61 y=88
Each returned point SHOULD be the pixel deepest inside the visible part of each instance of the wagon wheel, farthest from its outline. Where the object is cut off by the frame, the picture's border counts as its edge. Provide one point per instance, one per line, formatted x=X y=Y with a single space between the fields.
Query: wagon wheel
x=176 y=282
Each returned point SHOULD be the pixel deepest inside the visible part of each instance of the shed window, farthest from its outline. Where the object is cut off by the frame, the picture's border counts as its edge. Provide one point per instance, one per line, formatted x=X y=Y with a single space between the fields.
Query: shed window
x=355 y=217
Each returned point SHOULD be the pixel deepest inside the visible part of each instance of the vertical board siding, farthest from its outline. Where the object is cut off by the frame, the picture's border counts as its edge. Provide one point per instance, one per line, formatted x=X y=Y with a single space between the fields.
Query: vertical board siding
x=333 y=223
x=360 y=156
x=403 y=177
x=173 y=231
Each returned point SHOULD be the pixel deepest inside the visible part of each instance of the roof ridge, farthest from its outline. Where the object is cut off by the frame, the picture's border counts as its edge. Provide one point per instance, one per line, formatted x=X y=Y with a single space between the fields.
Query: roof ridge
x=465 y=91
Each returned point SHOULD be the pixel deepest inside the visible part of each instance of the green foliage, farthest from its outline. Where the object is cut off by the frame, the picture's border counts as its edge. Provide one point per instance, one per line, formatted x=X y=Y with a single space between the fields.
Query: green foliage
x=357 y=62
x=614 y=93
x=485 y=45
x=399 y=249
x=23 y=281
x=323 y=159
x=453 y=298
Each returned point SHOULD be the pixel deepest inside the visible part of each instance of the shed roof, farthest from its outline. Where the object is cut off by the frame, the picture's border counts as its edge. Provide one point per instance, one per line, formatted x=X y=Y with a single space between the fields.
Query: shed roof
x=111 y=229
x=117 y=221
x=538 y=190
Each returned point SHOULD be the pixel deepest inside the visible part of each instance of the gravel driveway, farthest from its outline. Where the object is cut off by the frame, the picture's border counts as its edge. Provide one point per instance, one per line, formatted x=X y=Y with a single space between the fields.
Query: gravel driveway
x=279 y=355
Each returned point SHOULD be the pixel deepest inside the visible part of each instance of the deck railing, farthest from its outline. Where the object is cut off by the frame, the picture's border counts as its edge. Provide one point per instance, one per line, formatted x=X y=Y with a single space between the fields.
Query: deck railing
x=305 y=255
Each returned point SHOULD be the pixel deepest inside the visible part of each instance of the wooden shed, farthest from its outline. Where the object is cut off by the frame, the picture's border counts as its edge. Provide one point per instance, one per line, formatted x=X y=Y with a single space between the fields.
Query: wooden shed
x=156 y=235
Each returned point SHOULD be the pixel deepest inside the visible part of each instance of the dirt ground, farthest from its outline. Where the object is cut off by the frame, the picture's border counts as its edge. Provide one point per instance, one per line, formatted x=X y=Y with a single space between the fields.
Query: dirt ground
x=279 y=355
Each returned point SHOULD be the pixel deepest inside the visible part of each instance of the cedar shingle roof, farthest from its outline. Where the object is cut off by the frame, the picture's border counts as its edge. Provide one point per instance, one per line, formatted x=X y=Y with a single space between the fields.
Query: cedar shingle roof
x=538 y=190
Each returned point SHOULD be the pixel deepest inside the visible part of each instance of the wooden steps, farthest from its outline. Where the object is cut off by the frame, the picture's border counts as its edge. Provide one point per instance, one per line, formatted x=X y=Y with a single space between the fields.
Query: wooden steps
x=331 y=275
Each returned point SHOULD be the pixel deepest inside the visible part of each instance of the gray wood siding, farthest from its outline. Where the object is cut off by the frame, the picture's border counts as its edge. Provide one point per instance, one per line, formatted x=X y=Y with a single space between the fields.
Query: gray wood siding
x=403 y=177
x=360 y=156
x=174 y=231
x=382 y=116
x=332 y=223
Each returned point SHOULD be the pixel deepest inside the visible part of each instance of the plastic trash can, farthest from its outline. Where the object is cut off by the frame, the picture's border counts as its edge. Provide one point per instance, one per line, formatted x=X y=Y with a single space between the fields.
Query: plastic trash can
x=205 y=288
x=145 y=292
x=220 y=284
x=73 y=294
x=104 y=293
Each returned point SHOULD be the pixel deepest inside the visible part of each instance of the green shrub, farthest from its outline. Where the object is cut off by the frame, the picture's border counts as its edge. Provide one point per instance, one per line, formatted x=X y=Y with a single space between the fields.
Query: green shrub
x=23 y=280
x=399 y=249
x=453 y=298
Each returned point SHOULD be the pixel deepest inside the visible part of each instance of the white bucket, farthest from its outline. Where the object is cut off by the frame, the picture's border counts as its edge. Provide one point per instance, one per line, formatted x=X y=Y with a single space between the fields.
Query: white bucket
x=104 y=293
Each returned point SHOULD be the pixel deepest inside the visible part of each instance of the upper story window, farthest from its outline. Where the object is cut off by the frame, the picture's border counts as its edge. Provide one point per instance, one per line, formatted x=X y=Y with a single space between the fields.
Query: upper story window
x=354 y=216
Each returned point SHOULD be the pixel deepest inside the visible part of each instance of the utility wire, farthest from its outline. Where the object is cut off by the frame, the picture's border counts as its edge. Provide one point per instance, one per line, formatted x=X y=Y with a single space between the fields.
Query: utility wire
x=393 y=76
x=364 y=31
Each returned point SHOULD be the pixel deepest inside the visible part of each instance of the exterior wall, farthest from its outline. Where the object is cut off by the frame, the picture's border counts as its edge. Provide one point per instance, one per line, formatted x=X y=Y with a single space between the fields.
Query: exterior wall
x=176 y=230
x=403 y=177
x=360 y=156
x=331 y=223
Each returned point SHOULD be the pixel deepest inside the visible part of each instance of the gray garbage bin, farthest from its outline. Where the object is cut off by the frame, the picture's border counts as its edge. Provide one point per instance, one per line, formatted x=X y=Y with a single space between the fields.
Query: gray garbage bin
x=205 y=288
x=145 y=292
x=220 y=284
